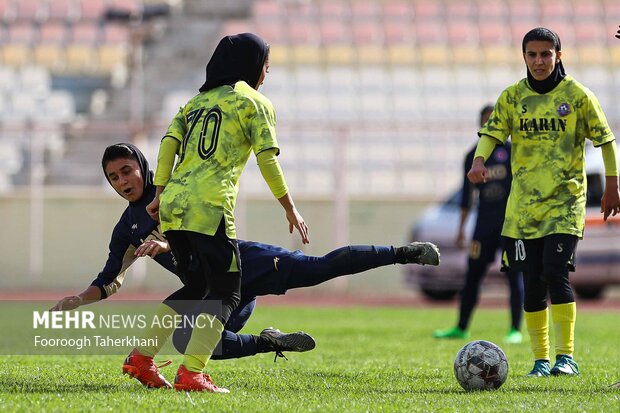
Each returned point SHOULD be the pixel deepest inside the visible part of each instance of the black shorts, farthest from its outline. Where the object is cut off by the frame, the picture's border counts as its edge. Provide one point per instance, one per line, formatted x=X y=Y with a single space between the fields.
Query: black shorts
x=531 y=255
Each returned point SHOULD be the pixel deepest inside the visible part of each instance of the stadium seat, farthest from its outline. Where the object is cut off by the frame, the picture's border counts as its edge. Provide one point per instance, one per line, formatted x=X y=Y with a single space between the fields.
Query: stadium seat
x=593 y=54
x=111 y=57
x=8 y=81
x=401 y=54
x=50 y=56
x=81 y=58
x=461 y=10
x=365 y=33
x=306 y=55
x=85 y=32
x=339 y=55
x=525 y=10
x=11 y=158
x=466 y=55
x=280 y=55
x=428 y=10
x=60 y=107
x=117 y=34
x=237 y=26
x=590 y=31
x=53 y=32
x=31 y=10
x=64 y=10
x=434 y=55
x=35 y=80
x=371 y=55
x=7 y=11
x=366 y=10
x=398 y=32
x=462 y=31
x=492 y=11
x=494 y=32
x=22 y=32
x=397 y=10
x=16 y=55
x=92 y=9
x=430 y=32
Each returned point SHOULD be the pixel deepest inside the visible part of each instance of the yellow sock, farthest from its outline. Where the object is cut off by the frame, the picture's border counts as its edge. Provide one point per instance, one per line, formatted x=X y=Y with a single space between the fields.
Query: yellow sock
x=538 y=326
x=159 y=330
x=564 y=316
x=206 y=334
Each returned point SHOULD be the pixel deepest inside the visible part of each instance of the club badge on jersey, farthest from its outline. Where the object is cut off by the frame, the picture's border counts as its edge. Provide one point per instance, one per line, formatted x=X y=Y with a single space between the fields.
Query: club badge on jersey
x=564 y=109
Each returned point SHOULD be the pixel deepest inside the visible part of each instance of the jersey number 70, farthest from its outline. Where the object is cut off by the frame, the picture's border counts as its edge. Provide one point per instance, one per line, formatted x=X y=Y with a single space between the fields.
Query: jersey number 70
x=207 y=140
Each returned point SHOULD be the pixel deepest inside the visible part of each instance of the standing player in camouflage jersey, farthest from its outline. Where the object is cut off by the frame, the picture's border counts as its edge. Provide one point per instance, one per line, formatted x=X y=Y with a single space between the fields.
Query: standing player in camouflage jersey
x=549 y=116
x=213 y=136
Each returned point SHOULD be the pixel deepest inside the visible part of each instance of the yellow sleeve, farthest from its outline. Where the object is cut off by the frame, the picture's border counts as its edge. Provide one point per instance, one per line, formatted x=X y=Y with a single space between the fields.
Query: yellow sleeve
x=271 y=171
x=485 y=147
x=165 y=160
x=609 y=158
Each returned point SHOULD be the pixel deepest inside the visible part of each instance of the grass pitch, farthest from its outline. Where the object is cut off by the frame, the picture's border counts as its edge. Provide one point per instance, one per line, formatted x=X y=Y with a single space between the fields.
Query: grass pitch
x=367 y=359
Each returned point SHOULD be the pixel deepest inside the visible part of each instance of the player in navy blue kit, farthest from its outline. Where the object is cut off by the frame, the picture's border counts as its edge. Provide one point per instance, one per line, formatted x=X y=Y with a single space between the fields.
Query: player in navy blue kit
x=486 y=238
x=267 y=269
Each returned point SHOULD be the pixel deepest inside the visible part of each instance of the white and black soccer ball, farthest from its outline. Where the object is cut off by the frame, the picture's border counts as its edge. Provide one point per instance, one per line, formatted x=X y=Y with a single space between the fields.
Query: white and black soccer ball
x=481 y=365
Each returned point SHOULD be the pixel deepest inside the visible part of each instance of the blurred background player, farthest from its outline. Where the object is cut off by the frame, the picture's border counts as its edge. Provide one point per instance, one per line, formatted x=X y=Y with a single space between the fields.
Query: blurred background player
x=549 y=116
x=492 y=197
x=269 y=269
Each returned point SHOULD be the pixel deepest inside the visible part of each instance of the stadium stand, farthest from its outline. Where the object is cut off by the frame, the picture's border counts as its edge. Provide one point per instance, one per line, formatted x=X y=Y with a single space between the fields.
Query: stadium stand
x=400 y=80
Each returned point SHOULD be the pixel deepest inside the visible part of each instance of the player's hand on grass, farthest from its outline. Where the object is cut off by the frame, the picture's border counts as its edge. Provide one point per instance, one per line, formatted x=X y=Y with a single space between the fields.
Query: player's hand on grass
x=68 y=303
x=295 y=220
x=152 y=248
x=153 y=209
x=478 y=172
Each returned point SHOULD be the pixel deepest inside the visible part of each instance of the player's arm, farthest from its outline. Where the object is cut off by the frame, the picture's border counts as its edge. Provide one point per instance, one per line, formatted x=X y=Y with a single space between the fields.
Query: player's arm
x=89 y=295
x=610 y=203
x=478 y=172
x=467 y=189
x=168 y=149
x=111 y=278
x=272 y=173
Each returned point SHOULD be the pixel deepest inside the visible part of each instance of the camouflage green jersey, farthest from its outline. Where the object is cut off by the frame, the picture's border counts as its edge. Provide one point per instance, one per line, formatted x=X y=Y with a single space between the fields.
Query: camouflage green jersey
x=218 y=130
x=548 y=132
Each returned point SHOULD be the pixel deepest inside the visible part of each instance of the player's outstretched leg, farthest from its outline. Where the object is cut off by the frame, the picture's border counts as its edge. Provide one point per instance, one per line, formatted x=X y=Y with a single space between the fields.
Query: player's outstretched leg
x=420 y=253
x=186 y=380
x=144 y=370
x=272 y=339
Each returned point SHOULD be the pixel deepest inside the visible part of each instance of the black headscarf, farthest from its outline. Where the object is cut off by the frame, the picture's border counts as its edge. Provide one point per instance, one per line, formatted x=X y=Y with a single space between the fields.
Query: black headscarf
x=238 y=57
x=558 y=73
x=128 y=150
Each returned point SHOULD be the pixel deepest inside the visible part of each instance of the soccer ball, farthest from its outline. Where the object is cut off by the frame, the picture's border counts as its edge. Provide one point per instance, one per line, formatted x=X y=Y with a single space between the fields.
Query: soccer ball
x=480 y=365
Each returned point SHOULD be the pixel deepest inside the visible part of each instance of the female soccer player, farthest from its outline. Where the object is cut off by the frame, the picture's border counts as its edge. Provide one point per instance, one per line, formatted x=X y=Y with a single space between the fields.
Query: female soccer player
x=549 y=116
x=213 y=136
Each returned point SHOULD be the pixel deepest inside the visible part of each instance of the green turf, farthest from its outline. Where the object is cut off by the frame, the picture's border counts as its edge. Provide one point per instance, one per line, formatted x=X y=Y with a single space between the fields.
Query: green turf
x=367 y=359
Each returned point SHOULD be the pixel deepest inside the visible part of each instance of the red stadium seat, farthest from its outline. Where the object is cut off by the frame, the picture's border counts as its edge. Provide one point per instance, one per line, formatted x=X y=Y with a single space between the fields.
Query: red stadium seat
x=53 y=32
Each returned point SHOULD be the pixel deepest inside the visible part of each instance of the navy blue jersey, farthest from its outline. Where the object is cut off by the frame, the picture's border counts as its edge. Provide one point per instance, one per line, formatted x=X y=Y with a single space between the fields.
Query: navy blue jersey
x=134 y=227
x=493 y=194
x=265 y=268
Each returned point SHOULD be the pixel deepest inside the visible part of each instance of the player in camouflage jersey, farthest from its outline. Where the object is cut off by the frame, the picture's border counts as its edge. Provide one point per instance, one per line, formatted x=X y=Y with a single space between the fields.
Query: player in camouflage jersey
x=213 y=136
x=549 y=116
